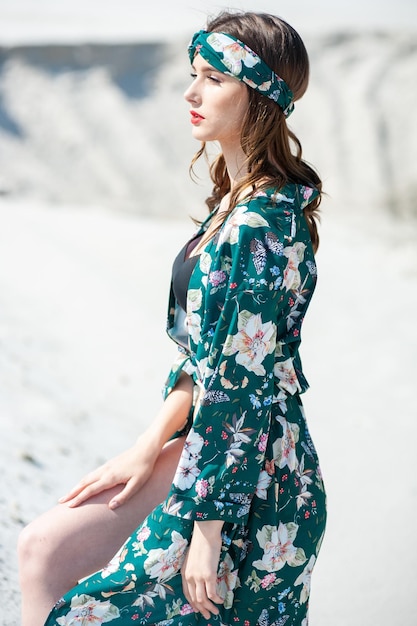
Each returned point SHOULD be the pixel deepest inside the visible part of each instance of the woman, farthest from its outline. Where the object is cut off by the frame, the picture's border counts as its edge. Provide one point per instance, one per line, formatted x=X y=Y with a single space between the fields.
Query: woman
x=225 y=481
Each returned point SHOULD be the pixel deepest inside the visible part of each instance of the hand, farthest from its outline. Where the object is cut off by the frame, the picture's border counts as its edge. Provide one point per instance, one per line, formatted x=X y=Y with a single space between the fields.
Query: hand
x=132 y=468
x=199 y=571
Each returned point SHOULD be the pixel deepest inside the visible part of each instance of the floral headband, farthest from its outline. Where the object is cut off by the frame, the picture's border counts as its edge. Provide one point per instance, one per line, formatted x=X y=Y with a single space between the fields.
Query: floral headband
x=231 y=56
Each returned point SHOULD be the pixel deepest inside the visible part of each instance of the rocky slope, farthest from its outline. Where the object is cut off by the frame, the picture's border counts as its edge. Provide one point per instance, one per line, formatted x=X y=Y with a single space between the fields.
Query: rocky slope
x=107 y=124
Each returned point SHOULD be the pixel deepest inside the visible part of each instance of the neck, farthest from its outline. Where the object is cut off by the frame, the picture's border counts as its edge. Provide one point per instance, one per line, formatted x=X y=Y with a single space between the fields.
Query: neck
x=235 y=160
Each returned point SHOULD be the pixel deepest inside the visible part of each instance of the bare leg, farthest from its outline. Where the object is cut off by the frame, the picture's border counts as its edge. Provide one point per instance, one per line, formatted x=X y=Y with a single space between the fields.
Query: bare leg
x=66 y=544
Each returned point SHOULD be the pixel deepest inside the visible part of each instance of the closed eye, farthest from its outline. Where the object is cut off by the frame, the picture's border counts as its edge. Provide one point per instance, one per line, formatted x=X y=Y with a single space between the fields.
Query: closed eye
x=211 y=77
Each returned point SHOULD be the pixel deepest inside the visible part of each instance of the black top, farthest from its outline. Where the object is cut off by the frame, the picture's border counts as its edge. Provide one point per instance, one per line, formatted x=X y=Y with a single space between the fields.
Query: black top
x=182 y=269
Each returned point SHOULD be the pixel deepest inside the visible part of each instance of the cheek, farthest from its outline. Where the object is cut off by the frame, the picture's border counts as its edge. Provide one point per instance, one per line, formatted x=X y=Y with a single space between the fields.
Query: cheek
x=237 y=113
x=240 y=105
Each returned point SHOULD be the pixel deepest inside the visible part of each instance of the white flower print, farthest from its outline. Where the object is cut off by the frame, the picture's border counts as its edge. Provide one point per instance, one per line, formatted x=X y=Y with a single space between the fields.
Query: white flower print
x=233 y=454
x=280 y=197
x=286 y=374
x=187 y=471
x=230 y=230
x=226 y=581
x=294 y=254
x=194 y=326
x=284 y=448
x=264 y=481
x=250 y=83
x=163 y=564
x=239 y=435
x=194 y=300
x=253 y=342
x=278 y=546
x=145 y=600
x=204 y=371
x=302 y=474
x=262 y=87
x=303 y=497
x=281 y=400
x=193 y=444
x=234 y=54
x=86 y=610
x=205 y=262
x=305 y=579
x=186 y=474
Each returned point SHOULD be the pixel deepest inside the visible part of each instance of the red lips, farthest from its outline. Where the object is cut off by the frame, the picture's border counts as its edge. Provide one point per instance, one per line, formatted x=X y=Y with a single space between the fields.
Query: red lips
x=195 y=117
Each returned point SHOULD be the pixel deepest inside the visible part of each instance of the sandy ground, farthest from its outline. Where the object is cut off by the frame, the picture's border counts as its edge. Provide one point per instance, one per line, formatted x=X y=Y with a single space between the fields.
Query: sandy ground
x=83 y=355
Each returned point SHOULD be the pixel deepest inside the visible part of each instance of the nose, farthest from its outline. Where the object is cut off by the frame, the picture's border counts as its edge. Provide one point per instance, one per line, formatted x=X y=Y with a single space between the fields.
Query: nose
x=191 y=94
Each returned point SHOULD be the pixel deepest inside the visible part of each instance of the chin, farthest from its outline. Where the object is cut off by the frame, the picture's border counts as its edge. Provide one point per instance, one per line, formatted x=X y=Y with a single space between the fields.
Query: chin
x=201 y=135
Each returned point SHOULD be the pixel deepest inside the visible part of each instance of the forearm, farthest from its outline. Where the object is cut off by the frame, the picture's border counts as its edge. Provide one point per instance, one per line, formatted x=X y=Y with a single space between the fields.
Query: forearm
x=210 y=529
x=172 y=415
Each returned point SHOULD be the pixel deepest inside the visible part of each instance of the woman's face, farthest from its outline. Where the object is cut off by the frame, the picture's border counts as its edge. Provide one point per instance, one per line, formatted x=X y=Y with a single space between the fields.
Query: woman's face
x=218 y=105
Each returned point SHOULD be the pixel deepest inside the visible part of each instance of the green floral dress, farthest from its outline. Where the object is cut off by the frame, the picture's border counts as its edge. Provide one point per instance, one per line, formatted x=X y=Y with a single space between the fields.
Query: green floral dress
x=248 y=458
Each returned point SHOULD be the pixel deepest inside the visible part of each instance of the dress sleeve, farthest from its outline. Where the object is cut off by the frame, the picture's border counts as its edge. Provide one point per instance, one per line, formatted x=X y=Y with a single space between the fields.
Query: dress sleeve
x=223 y=455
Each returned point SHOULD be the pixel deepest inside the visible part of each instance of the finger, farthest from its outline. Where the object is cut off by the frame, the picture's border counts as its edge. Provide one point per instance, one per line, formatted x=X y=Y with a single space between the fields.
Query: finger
x=186 y=588
x=212 y=593
x=202 y=602
x=78 y=488
x=71 y=494
x=188 y=595
x=125 y=494
x=86 y=494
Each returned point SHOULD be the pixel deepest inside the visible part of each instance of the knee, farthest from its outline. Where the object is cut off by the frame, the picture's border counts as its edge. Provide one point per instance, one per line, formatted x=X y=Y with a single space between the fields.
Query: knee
x=33 y=551
x=24 y=544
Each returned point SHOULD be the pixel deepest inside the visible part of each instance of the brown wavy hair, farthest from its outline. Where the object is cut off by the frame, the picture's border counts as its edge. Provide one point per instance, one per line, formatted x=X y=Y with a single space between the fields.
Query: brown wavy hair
x=273 y=152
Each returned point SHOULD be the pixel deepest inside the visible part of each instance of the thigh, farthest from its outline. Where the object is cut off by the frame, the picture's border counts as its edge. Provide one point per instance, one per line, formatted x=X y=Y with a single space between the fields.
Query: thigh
x=142 y=584
x=83 y=539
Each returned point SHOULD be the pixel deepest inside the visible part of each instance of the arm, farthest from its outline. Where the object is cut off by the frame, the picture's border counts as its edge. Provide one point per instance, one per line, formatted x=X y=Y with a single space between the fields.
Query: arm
x=263 y=263
x=134 y=466
x=225 y=448
x=234 y=355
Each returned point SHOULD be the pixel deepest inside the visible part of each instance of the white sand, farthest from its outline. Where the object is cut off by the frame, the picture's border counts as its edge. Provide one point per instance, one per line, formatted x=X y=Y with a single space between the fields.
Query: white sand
x=80 y=310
